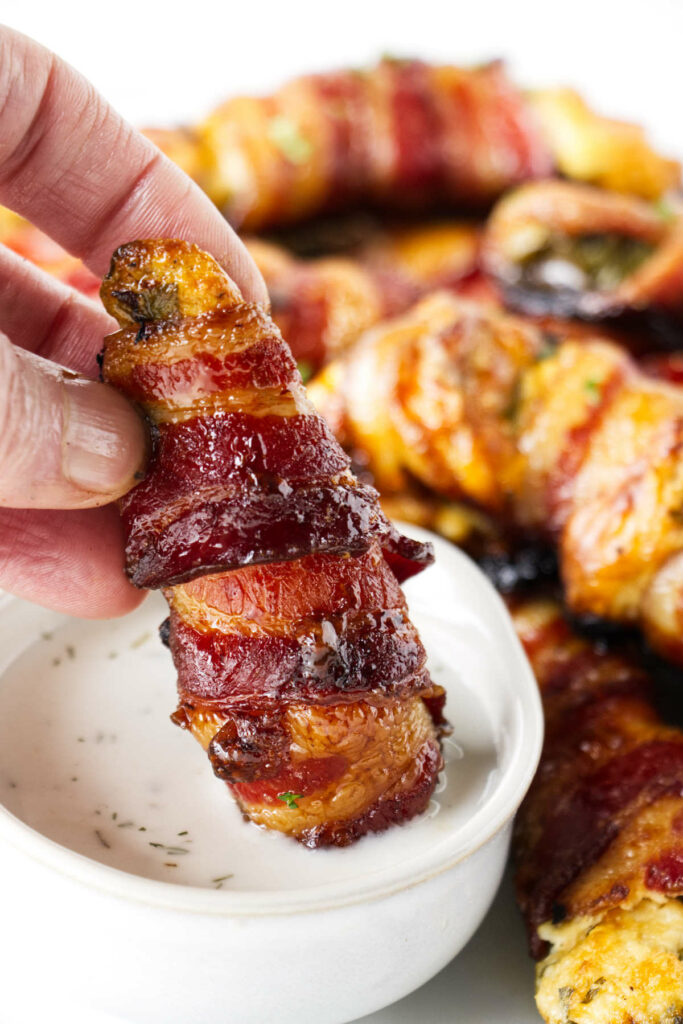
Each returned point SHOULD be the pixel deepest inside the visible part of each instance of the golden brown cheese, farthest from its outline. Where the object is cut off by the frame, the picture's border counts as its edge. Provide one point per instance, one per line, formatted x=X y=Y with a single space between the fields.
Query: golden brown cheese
x=625 y=968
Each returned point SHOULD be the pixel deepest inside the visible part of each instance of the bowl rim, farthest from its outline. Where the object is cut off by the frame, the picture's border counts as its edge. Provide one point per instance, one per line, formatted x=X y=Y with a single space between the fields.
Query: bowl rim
x=487 y=821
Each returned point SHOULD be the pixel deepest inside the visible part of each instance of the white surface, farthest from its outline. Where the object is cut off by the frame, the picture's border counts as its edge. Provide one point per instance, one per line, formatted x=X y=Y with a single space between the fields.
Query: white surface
x=163 y=63
x=87 y=756
x=490 y=982
x=167 y=62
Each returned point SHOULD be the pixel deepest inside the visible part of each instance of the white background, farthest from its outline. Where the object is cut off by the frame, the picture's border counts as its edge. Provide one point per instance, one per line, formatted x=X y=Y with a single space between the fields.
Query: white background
x=166 y=62
x=163 y=63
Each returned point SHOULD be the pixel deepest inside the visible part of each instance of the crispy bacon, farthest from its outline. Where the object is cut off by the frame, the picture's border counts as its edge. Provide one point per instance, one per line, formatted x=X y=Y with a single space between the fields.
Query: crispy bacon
x=349 y=635
x=575 y=250
x=567 y=443
x=298 y=668
x=402 y=134
x=598 y=841
x=243 y=470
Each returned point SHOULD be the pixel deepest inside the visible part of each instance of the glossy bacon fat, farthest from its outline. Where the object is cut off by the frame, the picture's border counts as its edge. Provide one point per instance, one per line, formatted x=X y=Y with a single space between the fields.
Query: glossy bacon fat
x=567 y=442
x=576 y=250
x=404 y=133
x=599 y=838
x=298 y=667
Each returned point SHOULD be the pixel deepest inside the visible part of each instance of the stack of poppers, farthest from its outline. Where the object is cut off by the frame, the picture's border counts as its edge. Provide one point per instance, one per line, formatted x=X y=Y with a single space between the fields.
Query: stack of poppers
x=530 y=402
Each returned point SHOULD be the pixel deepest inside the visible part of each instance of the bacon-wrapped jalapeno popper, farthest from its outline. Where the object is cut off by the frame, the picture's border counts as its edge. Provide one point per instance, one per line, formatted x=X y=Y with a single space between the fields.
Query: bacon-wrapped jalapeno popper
x=565 y=442
x=599 y=838
x=298 y=667
x=576 y=250
x=404 y=134
x=323 y=305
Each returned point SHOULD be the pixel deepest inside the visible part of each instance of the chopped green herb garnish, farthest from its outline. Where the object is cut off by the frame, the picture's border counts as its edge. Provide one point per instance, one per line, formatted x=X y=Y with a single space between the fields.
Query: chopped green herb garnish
x=183 y=833
x=221 y=878
x=665 y=210
x=593 y=387
x=550 y=343
x=290 y=799
x=103 y=842
x=289 y=140
x=511 y=410
x=305 y=369
x=139 y=641
x=602 y=261
x=392 y=58
x=593 y=991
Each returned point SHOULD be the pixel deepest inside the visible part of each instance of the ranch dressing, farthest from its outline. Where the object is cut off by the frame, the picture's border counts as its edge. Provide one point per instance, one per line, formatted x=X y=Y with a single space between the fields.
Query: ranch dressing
x=89 y=758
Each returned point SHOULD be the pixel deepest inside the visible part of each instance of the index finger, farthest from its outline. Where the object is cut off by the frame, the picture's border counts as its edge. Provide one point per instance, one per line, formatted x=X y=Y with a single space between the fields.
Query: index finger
x=71 y=165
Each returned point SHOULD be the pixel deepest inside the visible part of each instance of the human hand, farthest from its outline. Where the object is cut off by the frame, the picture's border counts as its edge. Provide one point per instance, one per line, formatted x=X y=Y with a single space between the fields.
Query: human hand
x=75 y=169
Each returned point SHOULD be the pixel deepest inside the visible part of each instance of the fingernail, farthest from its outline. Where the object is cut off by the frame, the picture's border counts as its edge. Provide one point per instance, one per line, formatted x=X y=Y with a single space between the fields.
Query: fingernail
x=103 y=442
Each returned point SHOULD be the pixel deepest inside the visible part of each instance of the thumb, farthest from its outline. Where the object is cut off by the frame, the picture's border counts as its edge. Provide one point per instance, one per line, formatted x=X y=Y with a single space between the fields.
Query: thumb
x=65 y=441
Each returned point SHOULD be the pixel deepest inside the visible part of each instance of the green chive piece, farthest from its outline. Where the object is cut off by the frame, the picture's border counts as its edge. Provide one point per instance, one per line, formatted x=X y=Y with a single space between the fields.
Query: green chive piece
x=290 y=799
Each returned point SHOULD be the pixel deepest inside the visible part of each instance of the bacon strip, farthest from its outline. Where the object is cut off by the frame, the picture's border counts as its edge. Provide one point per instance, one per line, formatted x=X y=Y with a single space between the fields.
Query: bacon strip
x=298 y=668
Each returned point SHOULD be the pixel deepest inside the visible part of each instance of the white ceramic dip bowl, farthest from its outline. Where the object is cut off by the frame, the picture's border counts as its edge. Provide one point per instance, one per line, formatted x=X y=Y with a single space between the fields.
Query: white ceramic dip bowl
x=129 y=884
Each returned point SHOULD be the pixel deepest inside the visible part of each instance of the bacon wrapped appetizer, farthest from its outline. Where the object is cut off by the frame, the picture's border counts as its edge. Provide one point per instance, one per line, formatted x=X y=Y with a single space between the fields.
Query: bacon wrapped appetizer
x=298 y=667
x=323 y=305
x=575 y=250
x=402 y=134
x=599 y=838
x=566 y=443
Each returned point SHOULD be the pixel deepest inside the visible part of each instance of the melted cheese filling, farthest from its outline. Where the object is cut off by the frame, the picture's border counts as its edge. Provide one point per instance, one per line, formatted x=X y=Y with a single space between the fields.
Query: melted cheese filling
x=622 y=968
